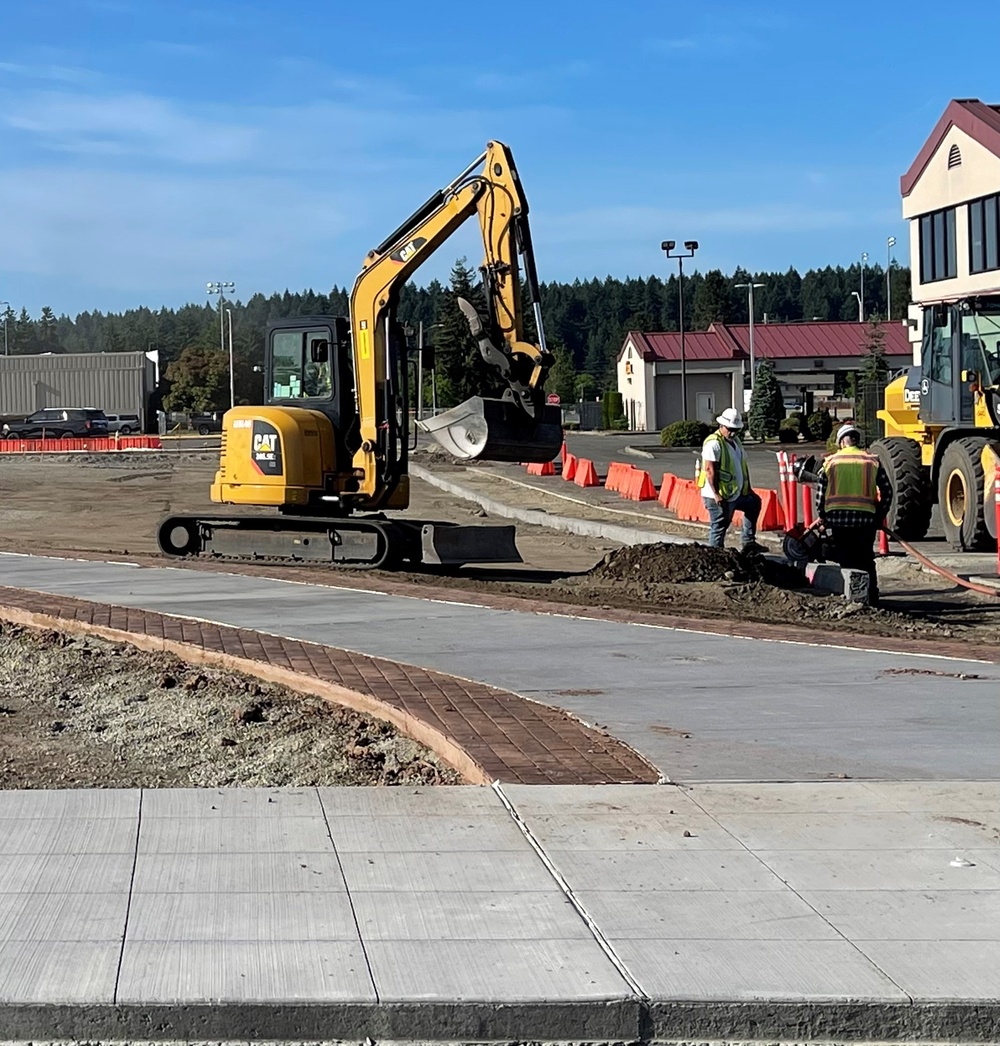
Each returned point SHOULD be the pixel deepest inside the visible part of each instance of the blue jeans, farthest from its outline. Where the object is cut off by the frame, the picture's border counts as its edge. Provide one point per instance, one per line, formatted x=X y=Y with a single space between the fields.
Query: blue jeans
x=720 y=516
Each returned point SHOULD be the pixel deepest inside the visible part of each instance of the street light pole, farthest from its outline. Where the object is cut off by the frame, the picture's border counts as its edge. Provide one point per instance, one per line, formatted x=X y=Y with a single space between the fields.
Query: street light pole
x=861 y=307
x=232 y=372
x=420 y=372
x=6 y=309
x=861 y=299
x=220 y=287
x=749 y=287
x=667 y=246
x=889 y=244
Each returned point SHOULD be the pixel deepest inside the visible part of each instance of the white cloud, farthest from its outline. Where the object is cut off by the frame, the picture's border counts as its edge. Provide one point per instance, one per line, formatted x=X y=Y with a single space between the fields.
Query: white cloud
x=144 y=232
x=125 y=124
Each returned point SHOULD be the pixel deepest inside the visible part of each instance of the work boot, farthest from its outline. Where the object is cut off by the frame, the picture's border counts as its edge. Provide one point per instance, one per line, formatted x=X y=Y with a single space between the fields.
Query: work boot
x=753 y=548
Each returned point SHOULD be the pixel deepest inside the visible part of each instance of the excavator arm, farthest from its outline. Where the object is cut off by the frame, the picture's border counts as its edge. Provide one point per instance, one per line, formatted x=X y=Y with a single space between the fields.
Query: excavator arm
x=518 y=426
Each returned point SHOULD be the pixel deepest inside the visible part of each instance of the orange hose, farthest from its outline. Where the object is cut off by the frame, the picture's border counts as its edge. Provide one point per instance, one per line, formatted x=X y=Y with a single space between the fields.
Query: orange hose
x=985 y=590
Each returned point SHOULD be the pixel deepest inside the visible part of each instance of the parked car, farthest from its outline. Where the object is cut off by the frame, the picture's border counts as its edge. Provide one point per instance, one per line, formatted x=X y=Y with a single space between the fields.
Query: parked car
x=206 y=424
x=124 y=424
x=59 y=423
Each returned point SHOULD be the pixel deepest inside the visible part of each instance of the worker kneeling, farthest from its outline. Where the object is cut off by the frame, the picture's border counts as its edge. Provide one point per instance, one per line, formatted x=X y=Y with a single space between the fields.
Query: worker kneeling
x=724 y=479
x=854 y=499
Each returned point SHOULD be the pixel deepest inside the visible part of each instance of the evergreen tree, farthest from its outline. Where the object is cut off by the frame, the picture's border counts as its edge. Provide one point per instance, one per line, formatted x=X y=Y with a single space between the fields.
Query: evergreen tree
x=713 y=301
x=767 y=408
x=870 y=381
x=461 y=369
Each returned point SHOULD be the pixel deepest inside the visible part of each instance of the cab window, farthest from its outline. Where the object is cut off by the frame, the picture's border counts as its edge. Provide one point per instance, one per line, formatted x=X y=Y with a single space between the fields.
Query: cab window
x=301 y=365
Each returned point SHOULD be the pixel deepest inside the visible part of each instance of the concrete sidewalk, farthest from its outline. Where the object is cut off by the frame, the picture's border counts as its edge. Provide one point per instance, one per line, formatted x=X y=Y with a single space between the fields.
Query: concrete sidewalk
x=836 y=911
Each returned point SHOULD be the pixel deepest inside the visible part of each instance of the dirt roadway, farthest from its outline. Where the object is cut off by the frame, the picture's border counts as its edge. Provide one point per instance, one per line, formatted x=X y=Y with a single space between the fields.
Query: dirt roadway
x=111 y=506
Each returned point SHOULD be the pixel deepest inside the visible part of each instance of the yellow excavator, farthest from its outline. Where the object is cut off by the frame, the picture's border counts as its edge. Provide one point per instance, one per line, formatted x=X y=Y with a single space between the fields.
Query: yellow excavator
x=942 y=426
x=329 y=448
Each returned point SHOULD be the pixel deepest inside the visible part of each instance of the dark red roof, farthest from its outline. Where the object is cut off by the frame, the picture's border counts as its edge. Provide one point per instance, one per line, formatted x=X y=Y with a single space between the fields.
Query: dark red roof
x=978 y=120
x=698 y=345
x=810 y=340
x=770 y=340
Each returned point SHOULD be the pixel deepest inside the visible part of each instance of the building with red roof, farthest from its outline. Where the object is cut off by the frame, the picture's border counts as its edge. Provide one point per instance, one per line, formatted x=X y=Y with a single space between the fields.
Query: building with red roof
x=806 y=357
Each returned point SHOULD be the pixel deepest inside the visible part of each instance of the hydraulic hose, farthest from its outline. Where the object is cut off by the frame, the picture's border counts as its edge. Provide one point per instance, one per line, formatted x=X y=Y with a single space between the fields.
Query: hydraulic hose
x=985 y=590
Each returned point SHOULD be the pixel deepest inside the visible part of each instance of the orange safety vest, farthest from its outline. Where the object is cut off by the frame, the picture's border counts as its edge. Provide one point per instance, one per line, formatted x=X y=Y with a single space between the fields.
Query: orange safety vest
x=851 y=481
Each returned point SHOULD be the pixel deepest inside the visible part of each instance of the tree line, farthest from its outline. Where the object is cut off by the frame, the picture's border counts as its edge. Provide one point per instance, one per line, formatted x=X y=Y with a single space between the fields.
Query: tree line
x=585 y=323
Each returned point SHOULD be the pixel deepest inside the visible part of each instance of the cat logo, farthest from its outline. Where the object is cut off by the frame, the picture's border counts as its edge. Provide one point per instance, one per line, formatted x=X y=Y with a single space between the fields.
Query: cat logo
x=408 y=250
x=266 y=449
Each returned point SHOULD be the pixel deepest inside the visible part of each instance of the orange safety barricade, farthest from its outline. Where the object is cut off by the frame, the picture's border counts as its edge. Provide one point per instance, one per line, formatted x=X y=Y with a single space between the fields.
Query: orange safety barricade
x=541 y=468
x=666 y=489
x=586 y=474
x=569 y=466
x=639 y=487
x=772 y=516
x=564 y=453
x=618 y=473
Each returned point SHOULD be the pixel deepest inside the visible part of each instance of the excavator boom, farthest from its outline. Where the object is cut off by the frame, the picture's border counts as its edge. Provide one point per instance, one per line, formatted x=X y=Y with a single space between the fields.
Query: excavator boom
x=516 y=426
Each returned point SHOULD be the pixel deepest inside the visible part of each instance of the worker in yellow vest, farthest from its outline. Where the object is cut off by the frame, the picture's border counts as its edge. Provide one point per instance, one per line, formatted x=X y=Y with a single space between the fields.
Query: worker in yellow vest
x=854 y=499
x=724 y=479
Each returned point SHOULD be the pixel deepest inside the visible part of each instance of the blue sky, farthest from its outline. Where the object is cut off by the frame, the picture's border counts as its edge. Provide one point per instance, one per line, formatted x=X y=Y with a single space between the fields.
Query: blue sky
x=149 y=146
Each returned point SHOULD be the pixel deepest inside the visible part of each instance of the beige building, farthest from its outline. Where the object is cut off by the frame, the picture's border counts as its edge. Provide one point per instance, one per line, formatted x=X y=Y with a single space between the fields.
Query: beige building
x=806 y=358
x=951 y=197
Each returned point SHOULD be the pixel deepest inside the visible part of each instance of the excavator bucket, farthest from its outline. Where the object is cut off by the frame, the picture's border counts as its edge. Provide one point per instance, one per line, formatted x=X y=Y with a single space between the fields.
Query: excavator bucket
x=496 y=430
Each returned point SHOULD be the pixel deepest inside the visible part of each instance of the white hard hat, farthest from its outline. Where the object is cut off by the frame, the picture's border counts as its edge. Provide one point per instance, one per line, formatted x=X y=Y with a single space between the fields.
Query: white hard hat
x=731 y=418
x=848 y=429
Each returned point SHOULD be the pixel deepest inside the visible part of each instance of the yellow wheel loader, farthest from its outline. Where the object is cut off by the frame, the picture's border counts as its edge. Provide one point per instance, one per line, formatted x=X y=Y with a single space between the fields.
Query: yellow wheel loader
x=329 y=448
x=942 y=426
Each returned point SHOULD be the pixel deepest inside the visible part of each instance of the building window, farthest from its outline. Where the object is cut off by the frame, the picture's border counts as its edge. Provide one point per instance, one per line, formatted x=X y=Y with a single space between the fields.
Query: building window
x=984 y=234
x=937 y=246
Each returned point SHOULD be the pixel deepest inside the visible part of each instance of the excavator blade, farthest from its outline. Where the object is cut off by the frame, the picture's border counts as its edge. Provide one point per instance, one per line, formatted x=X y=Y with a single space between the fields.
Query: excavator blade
x=496 y=430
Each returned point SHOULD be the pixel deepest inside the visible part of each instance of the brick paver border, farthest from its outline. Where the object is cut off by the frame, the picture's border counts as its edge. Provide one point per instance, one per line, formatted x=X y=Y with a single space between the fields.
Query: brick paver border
x=484 y=732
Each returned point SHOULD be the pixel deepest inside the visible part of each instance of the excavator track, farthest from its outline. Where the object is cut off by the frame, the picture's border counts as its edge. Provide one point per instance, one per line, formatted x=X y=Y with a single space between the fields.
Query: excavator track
x=361 y=543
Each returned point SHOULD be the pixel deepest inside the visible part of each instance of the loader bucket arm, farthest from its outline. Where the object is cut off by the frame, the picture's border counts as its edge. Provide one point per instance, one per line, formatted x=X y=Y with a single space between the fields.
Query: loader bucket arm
x=516 y=427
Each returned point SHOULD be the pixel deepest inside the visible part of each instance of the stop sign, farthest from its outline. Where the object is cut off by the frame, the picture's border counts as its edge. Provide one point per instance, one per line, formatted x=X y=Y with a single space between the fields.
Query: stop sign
x=552 y=397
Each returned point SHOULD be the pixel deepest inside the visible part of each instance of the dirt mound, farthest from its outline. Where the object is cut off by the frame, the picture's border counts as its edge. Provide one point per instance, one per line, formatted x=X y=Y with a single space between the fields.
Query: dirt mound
x=668 y=564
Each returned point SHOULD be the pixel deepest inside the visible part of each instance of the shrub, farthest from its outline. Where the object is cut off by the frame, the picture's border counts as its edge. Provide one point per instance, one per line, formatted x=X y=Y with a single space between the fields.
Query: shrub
x=820 y=424
x=684 y=434
x=612 y=407
x=788 y=434
x=831 y=442
x=800 y=422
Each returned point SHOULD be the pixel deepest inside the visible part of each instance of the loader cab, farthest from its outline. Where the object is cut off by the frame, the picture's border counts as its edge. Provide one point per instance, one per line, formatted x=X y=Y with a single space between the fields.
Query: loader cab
x=960 y=355
x=307 y=363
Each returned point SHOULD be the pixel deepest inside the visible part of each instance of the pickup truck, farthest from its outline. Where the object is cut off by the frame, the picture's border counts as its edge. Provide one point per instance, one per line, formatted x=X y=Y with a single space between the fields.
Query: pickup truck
x=59 y=423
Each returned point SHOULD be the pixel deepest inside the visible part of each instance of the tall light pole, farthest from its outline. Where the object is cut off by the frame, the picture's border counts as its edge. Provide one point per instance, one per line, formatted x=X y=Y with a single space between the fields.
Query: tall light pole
x=6 y=310
x=889 y=244
x=232 y=372
x=861 y=306
x=861 y=298
x=420 y=373
x=220 y=287
x=667 y=246
x=749 y=287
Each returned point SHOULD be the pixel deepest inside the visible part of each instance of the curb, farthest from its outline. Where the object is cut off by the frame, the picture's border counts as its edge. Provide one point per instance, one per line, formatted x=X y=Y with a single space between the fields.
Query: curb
x=440 y=744
x=583 y=527
x=485 y=733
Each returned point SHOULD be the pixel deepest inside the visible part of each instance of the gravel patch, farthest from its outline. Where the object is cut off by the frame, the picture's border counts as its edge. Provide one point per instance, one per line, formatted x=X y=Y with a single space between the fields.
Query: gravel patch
x=86 y=713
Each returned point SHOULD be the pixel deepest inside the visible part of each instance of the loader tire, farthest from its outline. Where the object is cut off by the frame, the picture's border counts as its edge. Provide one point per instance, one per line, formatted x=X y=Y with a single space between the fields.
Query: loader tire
x=912 y=503
x=960 y=494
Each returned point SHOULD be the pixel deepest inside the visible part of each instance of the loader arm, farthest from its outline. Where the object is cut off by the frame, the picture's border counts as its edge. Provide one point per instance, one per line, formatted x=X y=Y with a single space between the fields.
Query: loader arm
x=495 y=194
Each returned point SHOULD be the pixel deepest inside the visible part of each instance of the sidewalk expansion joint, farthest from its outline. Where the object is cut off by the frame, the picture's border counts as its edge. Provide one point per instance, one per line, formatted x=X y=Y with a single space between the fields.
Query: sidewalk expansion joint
x=603 y=943
x=131 y=893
